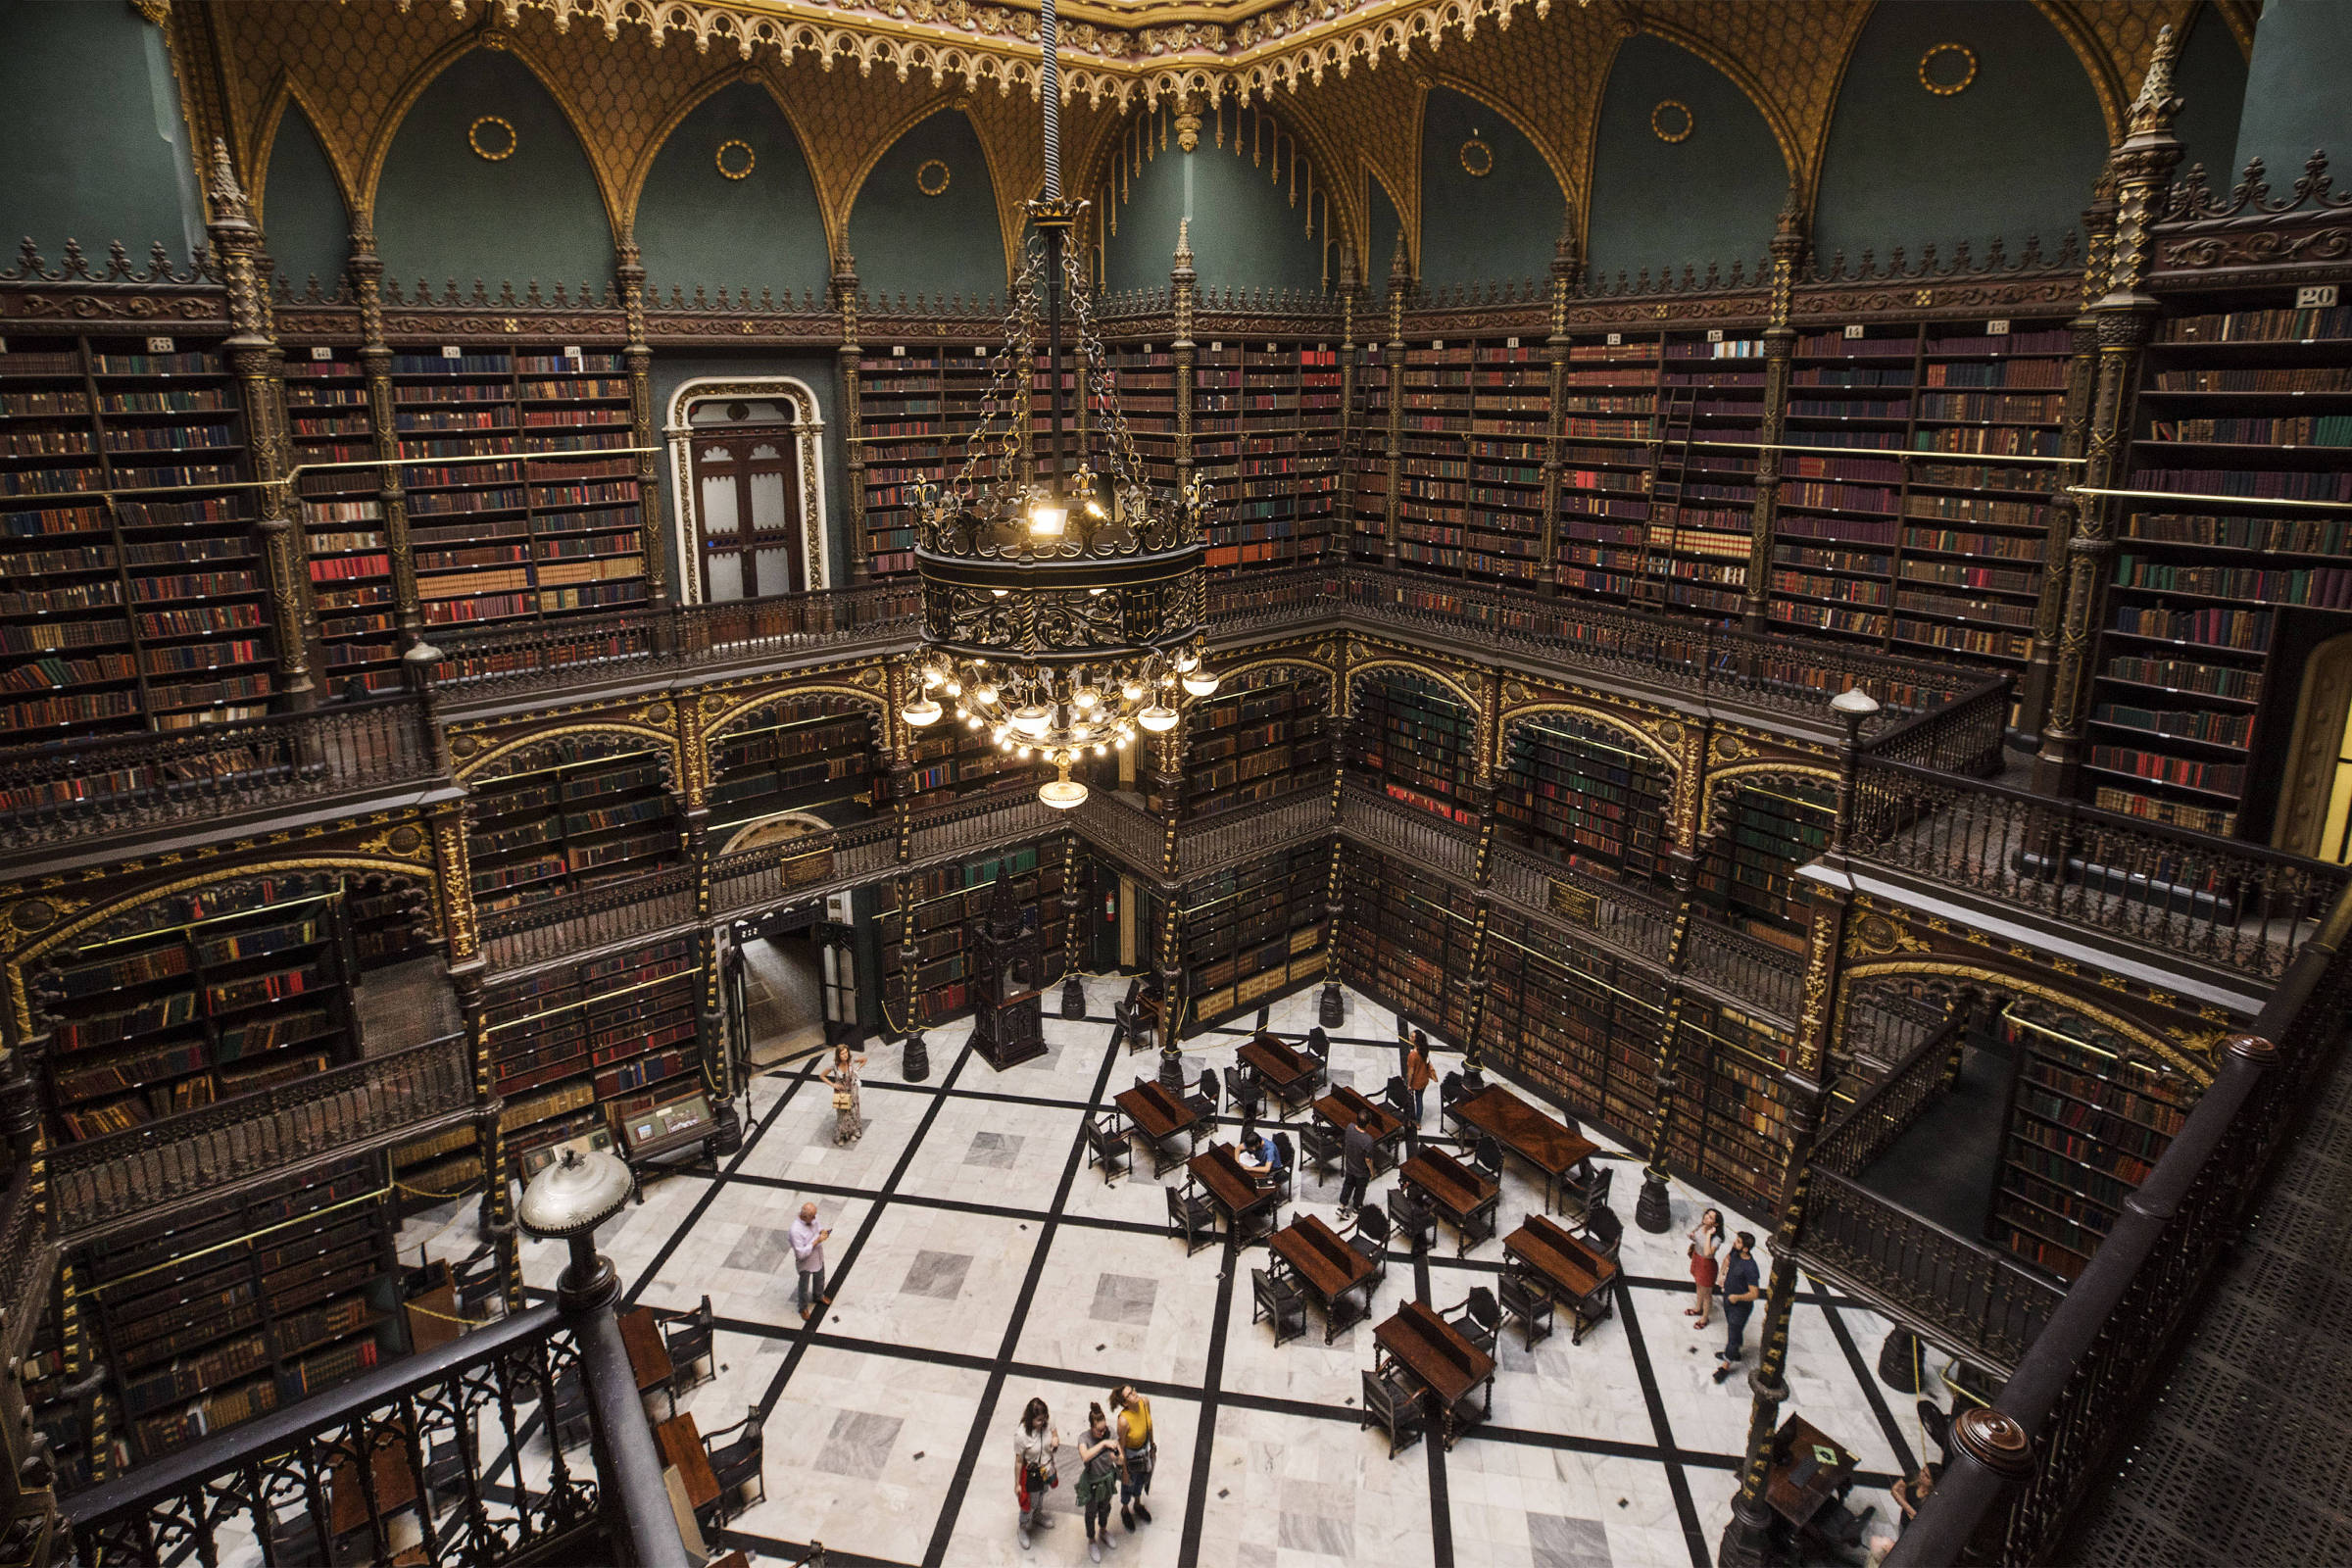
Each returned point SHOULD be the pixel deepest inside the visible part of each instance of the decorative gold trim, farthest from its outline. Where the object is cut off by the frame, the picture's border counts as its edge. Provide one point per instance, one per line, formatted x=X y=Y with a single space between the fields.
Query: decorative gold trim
x=665 y=739
x=1712 y=805
x=716 y=725
x=474 y=139
x=751 y=160
x=1953 y=966
x=1689 y=120
x=1947 y=89
x=1478 y=159
x=924 y=168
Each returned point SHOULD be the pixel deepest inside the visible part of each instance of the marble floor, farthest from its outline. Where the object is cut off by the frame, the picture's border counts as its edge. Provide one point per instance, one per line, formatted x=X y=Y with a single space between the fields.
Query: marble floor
x=978 y=1261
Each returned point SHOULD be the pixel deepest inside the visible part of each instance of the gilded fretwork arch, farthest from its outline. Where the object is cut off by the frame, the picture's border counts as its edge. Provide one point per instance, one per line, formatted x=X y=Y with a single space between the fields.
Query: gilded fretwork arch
x=717 y=723
x=1299 y=662
x=1361 y=669
x=1513 y=717
x=551 y=83
x=835 y=216
x=265 y=147
x=541 y=747
x=1011 y=219
x=1723 y=783
x=23 y=962
x=1993 y=977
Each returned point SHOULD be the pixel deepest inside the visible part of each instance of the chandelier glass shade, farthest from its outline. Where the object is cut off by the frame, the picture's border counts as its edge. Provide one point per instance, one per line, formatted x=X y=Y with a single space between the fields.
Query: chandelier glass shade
x=1062 y=595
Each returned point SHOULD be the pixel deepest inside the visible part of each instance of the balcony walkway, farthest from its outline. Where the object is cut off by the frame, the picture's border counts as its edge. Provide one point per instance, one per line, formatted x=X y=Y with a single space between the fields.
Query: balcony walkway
x=1945 y=1163
x=2243 y=1456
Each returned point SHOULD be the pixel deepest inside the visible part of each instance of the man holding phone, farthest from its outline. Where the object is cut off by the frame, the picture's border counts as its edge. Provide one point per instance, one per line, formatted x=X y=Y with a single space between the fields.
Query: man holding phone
x=809 y=1252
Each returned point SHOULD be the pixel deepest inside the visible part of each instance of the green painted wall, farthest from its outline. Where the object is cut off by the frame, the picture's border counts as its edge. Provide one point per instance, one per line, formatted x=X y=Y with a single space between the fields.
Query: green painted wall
x=819 y=370
x=1712 y=196
x=97 y=147
x=2295 y=89
x=2211 y=78
x=1385 y=225
x=2013 y=155
x=441 y=211
x=1488 y=230
x=302 y=211
x=764 y=230
x=908 y=243
x=1245 y=233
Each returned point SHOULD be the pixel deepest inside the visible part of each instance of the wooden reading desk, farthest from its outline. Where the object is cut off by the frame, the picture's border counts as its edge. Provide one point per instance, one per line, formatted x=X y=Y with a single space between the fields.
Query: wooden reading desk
x=1344 y=1108
x=681 y=1444
x=1519 y=1127
x=1288 y=1075
x=1326 y=1265
x=1467 y=1199
x=1219 y=1170
x=648 y=1356
x=1439 y=1359
x=1158 y=1116
x=1574 y=1275
x=1802 y=1485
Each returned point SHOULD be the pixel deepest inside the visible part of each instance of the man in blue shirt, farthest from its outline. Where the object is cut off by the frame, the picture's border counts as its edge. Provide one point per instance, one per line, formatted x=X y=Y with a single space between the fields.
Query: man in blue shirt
x=1741 y=1286
x=1262 y=1158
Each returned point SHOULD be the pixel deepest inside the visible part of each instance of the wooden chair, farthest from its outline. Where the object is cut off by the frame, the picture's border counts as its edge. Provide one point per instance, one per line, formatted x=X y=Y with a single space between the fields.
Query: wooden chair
x=1399 y=1099
x=1397 y=1406
x=1487 y=1158
x=1283 y=1185
x=568 y=1416
x=1248 y=1094
x=1206 y=1101
x=1478 y=1319
x=1368 y=1234
x=735 y=1453
x=1321 y=1148
x=1530 y=1303
x=1601 y=1230
x=1279 y=1300
x=481 y=1293
x=1412 y=1221
x=687 y=1338
x=1192 y=1217
x=1107 y=1146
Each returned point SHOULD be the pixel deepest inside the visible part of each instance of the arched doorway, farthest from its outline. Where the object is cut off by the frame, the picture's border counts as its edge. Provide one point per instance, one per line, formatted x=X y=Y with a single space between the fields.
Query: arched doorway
x=747 y=471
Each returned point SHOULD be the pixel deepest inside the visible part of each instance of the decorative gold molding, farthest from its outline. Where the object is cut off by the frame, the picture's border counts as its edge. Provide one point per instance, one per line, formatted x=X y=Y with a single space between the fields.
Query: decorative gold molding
x=1666 y=133
x=927 y=188
x=1478 y=159
x=751 y=160
x=474 y=139
x=1947 y=89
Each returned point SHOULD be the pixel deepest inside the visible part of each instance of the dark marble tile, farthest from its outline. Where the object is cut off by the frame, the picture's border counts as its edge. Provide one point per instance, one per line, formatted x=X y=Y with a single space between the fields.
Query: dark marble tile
x=761 y=1252
x=858 y=1446
x=1559 y=1543
x=996 y=1151
x=937 y=1274
x=1124 y=1298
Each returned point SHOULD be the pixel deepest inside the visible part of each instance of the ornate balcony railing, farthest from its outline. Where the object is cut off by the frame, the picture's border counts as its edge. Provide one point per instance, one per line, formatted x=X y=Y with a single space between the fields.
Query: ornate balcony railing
x=26 y=1250
x=772 y=873
x=1870 y=1127
x=1621 y=915
x=1373 y=818
x=61 y=793
x=430 y=1451
x=2239 y=908
x=1126 y=831
x=576 y=922
x=1227 y=839
x=2075 y=1397
x=1963 y=736
x=981 y=826
x=342 y=1109
x=1747 y=973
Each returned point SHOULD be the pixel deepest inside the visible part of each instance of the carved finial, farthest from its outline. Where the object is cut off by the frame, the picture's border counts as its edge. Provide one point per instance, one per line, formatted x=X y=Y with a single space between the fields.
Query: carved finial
x=227 y=196
x=1350 y=279
x=1398 y=270
x=2153 y=110
x=1183 y=244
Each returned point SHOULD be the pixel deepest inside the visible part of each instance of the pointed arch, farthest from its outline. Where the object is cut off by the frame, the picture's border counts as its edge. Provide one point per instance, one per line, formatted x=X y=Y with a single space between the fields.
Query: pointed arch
x=1994 y=977
x=696 y=223
x=287 y=95
x=308 y=228
x=1513 y=719
x=1001 y=211
x=1523 y=176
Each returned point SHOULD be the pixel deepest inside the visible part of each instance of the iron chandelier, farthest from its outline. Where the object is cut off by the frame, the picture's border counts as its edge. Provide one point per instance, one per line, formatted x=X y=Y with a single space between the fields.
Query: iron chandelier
x=1061 y=595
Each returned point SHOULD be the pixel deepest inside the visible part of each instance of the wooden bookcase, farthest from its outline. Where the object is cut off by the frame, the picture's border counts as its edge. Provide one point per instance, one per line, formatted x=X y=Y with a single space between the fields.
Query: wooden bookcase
x=575 y=1049
x=945 y=903
x=1414 y=739
x=58 y=1358
x=1266 y=439
x=1144 y=374
x=509 y=540
x=200 y=997
x=1260 y=737
x=150 y=612
x=798 y=753
x=1575 y=1023
x=598 y=811
x=1579 y=792
x=1255 y=931
x=1367 y=477
x=2254 y=402
x=1395 y=933
x=278 y=1293
x=916 y=403
x=328 y=421
x=952 y=761
x=1710 y=389
x=1775 y=828
x=2084 y=1130
x=1608 y=412
x=1432 y=475
x=1731 y=1128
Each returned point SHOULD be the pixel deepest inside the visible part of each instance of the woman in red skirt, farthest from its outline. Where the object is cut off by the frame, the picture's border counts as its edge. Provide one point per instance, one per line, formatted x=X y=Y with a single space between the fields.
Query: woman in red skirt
x=1706 y=1240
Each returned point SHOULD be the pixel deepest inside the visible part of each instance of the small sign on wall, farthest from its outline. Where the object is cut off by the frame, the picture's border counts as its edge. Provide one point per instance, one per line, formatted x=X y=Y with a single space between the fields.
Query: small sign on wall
x=1999 y=327
x=1854 y=329
x=1714 y=334
x=450 y=350
x=897 y=351
x=571 y=351
x=1615 y=339
x=1510 y=342
x=2318 y=297
x=322 y=353
x=1575 y=904
x=159 y=345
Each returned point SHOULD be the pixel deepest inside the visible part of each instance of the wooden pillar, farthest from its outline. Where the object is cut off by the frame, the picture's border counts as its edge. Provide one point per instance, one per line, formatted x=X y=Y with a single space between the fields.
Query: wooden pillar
x=467 y=970
x=367 y=270
x=2082 y=375
x=1566 y=265
x=2126 y=316
x=1167 y=953
x=254 y=360
x=1398 y=281
x=1073 y=988
x=1654 y=1209
x=845 y=374
x=1779 y=348
x=1339 y=725
x=628 y=271
x=1183 y=289
x=1482 y=794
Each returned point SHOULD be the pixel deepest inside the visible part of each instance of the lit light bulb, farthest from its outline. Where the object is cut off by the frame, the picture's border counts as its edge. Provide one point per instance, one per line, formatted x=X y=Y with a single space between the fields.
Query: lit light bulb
x=1158 y=718
x=1185 y=660
x=1033 y=719
x=1086 y=699
x=971 y=723
x=1048 y=514
x=998 y=593
x=1063 y=792
x=1132 y=690
x=932 y=677
x=922 y=712
x=1101 y=749
x=985 y=693
x=1120 y=743
x=954 y=688
x=1199 y=683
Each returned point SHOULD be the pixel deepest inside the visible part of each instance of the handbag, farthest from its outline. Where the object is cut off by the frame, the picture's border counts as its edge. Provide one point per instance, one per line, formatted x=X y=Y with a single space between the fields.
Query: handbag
x=841 y=1100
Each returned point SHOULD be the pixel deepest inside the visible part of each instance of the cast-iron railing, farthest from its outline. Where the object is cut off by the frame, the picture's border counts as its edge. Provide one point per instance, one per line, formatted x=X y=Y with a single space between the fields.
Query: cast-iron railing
x=343 y=1109
x=1372 y=819
x=1624 y=915
x=1123 y=830
x=1872 y=1124
x=1962 y=736
x=591 y=917
x=59 y=792
x=2078 y=1394
x=2240 y=908
x=26 y=1250
x=775 y=873
x=1230 y=838
x=1746 y=972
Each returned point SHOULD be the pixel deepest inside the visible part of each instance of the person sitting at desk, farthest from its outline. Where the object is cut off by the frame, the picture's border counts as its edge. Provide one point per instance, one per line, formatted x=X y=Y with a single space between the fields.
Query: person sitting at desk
x=1262 y=1158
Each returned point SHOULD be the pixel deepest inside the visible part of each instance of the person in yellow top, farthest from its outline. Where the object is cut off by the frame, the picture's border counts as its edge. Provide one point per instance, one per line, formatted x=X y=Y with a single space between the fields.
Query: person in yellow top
x=1138 y=1449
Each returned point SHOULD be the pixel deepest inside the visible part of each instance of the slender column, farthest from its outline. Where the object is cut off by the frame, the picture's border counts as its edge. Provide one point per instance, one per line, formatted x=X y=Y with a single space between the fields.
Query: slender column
x=1183 y=288
x=1073 y=989
x=2082 y=375
x=1398 y=280
x=845 y=361
x=1482 y=796
x=1653 y=1211
x=253 y=358
x=1566 y=265
x=1779 y=348
x=367 y=270
x=1169 y=957
x=917 y=1063
x=628 y=271
x=1343 y=542
x=2126 y=316
x=1331 y=1007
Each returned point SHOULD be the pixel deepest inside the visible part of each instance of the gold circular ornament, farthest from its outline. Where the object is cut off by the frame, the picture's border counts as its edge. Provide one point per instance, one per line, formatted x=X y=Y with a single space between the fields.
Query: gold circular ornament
x=1672 y=120
x=474 y=139
x=33 y=914
x=749 y=161
x=405 y=841
x=1941 y=83
x=931 y=177
x=1478 y=159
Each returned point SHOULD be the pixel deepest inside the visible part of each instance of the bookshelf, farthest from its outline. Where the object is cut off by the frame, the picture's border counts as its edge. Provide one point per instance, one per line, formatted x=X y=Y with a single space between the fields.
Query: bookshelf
x=1476 y=418
x=1582 y=793
x=588 y=811
x=1396 y=935
x=1710 y=389
x=1260 y=737
x=1265 y=436
x=915 y=402
x=57 y=1357
x=953 y=760
x=149 y=610
x=2085 y=1127
x=2253 y=404
x=1432 y=387
x=798 y=753
x=1415 y=741
x=1609 y=401
x=1731 y=1129
x=200 y=997
x=1775 y=828
x=944 y=902
x=506 y=540
x=1576 y=1024
x=1144 y=374
x=328 y=422
x=1255 y=931
x=1367 y=478
x=250 y=1305
x=575 y=1049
